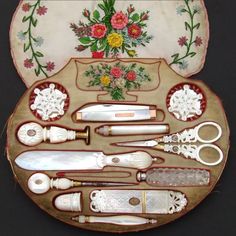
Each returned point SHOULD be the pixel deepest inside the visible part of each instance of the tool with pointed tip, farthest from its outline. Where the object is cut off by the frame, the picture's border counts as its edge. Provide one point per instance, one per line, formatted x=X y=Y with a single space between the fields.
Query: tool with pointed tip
x=116 y=112
x=32 y=134
x=40 y=183
x=81 y=160
x=185 y=143
x=175 y=177
x=117 y=220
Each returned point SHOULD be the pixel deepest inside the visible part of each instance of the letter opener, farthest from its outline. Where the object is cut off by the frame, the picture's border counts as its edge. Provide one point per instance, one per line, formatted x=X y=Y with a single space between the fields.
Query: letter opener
x=116 y=112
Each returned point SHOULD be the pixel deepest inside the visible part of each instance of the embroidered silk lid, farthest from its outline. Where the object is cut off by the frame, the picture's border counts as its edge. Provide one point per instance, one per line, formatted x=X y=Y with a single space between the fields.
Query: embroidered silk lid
x=46 y=34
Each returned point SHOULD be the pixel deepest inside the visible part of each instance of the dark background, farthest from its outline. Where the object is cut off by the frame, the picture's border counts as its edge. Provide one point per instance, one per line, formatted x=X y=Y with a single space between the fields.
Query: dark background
x=214 y=216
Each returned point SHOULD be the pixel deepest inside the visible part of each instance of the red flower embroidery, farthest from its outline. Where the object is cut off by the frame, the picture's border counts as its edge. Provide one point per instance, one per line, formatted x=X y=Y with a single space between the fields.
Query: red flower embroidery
x=26 y=7
x=42 y=10
x=134 y=31
x=28 y=63
x=98 y=31
x=97 y=54
x=86 y=13
x=50 y=66
x=116 y=72
x=131 y=75
x=182 y=41
x=119 y=20
x=145 y=17
x=198 y=41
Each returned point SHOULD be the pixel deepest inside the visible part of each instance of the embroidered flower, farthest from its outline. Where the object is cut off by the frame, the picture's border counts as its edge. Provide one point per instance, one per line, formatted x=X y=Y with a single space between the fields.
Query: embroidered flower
x=42 y=10
x=197 y=9
x=116 y=72
x=28 y=63
x=198 y=41
x=145 y=16
x=98 y=31
x=120 y=83
x=115 y=40
x=97 y=54
x=183 y=65
x=80 y=48
x=39 y=41
x=182 y=41
x=50 y=66
x=130 y=9
x=134 y=31
x=21 y=35
x=105 y=80
x=180 y=10
x=119 y=20
x=26 y=7
x=86 y=13
x=131 y=75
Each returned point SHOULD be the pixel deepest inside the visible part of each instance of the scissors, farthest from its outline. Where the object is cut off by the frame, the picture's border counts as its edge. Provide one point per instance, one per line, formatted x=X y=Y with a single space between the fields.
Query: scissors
x=183 y=143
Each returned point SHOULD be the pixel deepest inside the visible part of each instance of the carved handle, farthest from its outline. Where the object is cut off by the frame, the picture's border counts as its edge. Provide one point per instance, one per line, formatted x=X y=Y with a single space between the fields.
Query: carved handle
x=117 y=220
x=32 y=134
x=40 y=183
x=137 y=160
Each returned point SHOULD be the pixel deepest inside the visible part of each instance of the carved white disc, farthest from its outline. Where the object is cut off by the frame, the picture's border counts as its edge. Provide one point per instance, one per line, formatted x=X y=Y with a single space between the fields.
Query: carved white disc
x=185 y=103
x=49 y=102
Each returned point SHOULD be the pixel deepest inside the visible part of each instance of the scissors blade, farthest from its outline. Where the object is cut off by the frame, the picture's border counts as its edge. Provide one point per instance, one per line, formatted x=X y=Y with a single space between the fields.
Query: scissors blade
x=144 y=143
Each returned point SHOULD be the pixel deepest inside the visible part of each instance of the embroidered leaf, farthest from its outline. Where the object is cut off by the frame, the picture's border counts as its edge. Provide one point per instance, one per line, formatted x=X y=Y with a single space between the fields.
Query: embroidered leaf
x=175 y=56
x=25 y=18
x=187 y=26
x=197 y=26
x=135 y=17
x=192 y=54
x=85 y=40
x=117 y=94
x=26 y=47
x=37 y=71
x=39 y=54
x=34 y=22
x=96 y=14
x=94 y=47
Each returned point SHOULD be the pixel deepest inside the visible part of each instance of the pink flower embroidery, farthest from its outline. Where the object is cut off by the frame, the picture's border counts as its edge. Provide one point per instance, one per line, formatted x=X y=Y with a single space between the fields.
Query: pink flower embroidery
x=134 y=31
x=198 y=41
x=119 y=20
x=42 y=10
x=182 y=41
x=116 y=72
x=26 y=7
x=131 y=75
x=50 y=66
x=28 y=63
x=98 y=31
x=97 y=54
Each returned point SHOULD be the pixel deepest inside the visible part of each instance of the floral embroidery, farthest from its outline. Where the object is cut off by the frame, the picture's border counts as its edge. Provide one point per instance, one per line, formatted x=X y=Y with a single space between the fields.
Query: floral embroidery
x=113 y=33
x=32 y=41
x=189 y=41
x=117 y=79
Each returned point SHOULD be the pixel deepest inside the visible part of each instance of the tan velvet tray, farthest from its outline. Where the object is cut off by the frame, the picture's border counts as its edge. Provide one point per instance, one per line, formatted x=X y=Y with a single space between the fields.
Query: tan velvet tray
x=154 y=93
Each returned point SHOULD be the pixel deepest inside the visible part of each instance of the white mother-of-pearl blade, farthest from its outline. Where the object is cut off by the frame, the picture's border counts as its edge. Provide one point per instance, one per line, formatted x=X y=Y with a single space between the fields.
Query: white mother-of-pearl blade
x=58 y=160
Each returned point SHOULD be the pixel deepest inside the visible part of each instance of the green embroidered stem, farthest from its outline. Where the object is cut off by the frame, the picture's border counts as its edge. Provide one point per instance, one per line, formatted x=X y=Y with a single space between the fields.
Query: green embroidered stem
x=190 y=27
x=35 y=54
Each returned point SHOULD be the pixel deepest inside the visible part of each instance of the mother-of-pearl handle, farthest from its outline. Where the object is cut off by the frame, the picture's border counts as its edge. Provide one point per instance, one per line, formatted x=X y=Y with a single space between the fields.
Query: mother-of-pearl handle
x=137 y=160
x=117 y=220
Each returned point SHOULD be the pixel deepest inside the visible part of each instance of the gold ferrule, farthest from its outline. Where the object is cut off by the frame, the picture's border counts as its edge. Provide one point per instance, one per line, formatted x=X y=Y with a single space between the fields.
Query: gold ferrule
x=77 y=184
x=144 y=202
x=85 y=134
